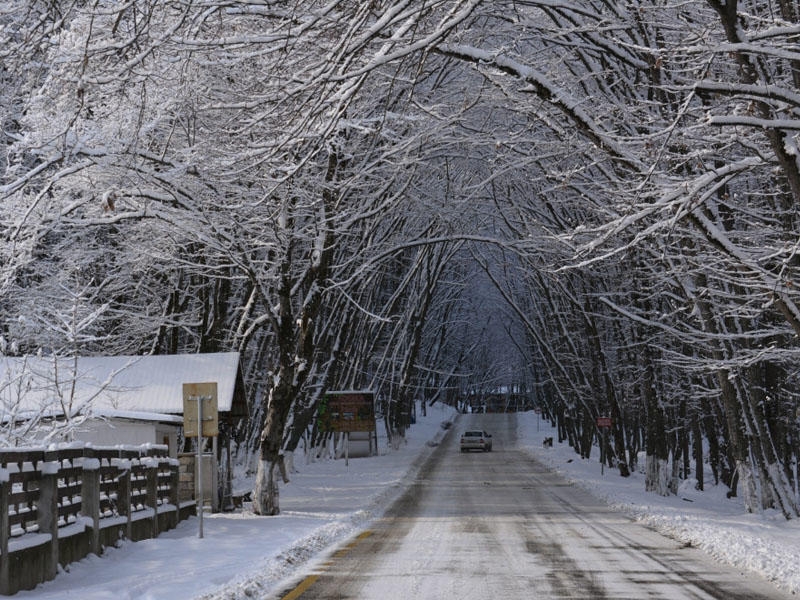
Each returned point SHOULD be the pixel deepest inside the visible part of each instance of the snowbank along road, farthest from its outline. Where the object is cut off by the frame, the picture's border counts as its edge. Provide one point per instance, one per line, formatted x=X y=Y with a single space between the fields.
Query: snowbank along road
x=498 y=525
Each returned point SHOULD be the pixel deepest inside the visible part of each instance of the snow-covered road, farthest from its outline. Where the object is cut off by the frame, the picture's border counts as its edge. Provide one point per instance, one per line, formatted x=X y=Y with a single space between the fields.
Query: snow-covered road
x=497 y=525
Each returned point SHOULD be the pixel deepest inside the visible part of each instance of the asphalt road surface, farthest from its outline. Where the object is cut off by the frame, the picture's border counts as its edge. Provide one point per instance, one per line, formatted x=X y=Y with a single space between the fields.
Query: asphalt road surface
x=498 y=525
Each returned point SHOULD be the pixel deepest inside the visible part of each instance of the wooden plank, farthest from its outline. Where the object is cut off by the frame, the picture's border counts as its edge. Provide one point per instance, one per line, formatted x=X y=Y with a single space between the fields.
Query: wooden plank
x=26 y=497
x=25 y=477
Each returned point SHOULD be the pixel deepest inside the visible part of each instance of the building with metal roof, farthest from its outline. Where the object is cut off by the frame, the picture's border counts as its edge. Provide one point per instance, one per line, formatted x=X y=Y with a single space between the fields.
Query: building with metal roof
x=123 y=401
x=122 y=391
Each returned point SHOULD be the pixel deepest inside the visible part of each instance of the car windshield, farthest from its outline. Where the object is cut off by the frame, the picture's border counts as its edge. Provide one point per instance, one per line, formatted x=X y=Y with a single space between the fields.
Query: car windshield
x=473 y=433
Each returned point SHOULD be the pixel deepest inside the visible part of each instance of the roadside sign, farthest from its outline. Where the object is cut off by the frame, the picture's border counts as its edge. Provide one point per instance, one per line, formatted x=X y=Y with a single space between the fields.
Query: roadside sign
x=207 y=395
x=346 y=411
x=604 y=421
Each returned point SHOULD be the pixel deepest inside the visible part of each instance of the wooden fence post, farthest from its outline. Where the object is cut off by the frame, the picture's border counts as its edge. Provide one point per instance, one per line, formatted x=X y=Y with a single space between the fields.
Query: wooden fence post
x=47 y=510
x=5 y=490
x=124 y=491
x=90 y=495
x=174 y=485
x=152 y=489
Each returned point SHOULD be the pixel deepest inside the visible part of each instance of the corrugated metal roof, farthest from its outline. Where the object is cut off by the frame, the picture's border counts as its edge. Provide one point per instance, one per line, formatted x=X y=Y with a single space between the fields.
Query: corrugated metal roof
x=132 y=383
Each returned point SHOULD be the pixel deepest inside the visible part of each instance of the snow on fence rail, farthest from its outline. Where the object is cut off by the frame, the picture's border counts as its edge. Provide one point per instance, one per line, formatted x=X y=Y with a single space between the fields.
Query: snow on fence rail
x=58 y=505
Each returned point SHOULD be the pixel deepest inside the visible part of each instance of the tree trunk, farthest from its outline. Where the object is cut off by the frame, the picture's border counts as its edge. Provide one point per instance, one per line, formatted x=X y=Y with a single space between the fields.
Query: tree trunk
x=265 y=493
x=657 y=475
x=750 y=495
x=697 y=446
x=588 y=429
x=657 y=461
x=617 y=450
x=738 y=443
x=775 y=485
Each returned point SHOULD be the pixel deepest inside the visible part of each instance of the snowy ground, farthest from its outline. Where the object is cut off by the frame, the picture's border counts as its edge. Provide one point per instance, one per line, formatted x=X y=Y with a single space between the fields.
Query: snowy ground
x=243 y=556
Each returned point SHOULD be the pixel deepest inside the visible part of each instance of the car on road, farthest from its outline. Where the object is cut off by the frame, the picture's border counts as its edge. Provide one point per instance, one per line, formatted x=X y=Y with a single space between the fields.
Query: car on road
x=476 y=439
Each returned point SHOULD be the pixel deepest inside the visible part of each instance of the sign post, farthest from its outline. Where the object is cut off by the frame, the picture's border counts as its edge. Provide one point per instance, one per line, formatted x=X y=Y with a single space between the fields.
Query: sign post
x=200 y=419
x=199 y=462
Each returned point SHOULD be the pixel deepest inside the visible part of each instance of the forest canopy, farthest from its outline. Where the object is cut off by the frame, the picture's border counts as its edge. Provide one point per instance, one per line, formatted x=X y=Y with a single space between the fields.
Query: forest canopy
x=591 y=203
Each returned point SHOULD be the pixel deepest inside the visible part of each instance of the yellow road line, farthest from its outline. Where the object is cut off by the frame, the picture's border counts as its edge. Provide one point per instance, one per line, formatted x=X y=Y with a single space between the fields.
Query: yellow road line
x=309 y=581
x=302 y=587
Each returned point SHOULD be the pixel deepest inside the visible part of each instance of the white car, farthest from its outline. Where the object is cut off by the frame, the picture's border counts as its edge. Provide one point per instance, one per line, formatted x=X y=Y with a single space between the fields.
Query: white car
x=476 y=439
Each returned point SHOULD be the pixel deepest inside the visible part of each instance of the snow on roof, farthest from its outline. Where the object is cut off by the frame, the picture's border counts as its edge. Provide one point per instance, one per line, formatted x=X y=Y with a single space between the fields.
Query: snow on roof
x=137 y=415
x=148 y=384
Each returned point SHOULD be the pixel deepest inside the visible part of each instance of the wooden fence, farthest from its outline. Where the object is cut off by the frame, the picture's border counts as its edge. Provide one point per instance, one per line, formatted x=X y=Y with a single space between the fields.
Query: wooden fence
x=57 y=506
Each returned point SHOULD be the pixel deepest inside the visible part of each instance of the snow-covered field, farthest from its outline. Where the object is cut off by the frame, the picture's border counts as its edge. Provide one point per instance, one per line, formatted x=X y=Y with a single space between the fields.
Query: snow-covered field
x=244 y=556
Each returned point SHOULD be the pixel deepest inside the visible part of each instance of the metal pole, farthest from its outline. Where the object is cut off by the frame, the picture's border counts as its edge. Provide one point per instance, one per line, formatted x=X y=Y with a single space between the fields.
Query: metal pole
x=200 y=463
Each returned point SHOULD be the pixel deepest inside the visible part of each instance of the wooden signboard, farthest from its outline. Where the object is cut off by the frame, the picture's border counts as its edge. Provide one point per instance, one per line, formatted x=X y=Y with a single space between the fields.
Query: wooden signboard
x=346 y=412
x=207 y=392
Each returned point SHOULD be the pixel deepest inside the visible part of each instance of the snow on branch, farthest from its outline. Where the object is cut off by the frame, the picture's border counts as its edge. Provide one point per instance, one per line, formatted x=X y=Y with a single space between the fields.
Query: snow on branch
x=675 y=204
x=765 y=91
x=755 y=122
x=550 y=91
